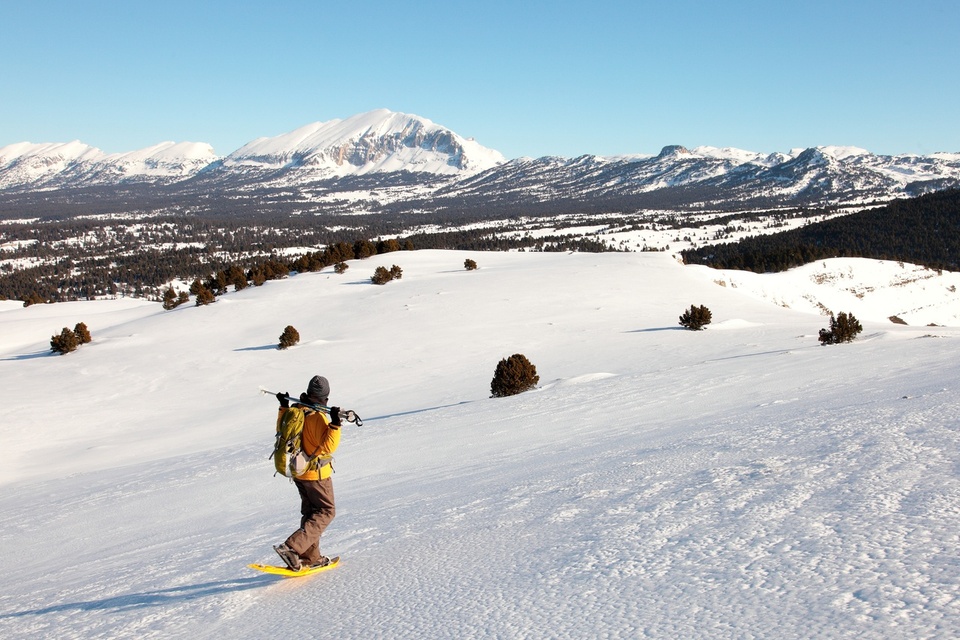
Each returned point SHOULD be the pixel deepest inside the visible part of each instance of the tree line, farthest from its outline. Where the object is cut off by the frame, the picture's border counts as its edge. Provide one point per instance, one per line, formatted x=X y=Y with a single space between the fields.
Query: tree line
x=923 y=230
x=141 y=264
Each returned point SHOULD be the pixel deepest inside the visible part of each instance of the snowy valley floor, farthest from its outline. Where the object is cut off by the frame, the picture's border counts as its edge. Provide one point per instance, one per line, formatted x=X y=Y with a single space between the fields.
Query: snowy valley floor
x=740 y=482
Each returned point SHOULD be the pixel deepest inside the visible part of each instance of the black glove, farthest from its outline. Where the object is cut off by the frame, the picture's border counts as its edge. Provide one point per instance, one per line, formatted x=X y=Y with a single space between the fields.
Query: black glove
x=282 y=397
x=335 y=416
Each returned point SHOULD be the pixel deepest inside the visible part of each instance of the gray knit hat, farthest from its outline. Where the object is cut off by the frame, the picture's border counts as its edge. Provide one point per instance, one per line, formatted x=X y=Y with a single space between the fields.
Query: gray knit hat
x=318 y=390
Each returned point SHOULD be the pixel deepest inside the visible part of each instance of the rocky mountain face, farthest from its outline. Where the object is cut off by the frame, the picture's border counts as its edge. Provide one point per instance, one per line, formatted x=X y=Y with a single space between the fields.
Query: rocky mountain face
x=375 y=142
x=679 y=177
x=393 y=161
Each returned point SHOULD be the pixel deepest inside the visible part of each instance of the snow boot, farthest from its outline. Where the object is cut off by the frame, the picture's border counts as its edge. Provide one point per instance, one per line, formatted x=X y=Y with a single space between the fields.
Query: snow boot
x=289 y=556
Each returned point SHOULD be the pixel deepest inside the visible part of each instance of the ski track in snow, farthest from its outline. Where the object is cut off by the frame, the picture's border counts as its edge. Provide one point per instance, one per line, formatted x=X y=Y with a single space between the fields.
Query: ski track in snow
x=738 y=484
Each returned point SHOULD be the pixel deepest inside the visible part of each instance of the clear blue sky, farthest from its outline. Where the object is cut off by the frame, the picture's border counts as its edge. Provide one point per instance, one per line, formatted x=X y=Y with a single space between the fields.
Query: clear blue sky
x=527 y=78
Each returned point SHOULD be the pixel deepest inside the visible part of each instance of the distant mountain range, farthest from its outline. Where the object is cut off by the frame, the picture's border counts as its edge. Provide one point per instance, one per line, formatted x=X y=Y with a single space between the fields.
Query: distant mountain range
x=387 y=160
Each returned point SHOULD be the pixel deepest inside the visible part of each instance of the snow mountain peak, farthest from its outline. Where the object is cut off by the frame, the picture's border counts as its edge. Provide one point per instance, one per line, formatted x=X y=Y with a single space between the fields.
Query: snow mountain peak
x=400 y=158
x=373 y=142
x=379 y=141
x=674 y=151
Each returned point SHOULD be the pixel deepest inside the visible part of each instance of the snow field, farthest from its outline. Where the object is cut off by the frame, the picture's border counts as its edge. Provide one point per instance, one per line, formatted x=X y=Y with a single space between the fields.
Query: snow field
x=737 y=482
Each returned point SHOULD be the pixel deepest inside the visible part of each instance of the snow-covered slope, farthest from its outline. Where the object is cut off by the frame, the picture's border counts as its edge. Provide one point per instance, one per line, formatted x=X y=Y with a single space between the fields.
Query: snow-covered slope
x=170 y=159
x=875 y=289
x=31 y=165
x=45 y=166
x=742 y=481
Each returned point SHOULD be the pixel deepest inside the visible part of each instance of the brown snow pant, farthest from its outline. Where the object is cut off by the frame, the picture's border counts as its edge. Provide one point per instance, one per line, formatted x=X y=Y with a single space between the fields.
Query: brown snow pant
x=318 y=510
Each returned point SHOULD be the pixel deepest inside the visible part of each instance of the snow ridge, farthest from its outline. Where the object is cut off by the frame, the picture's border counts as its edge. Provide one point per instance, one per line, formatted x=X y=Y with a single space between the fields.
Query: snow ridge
x=382 y=144
x=77 y=164
x=379 y=141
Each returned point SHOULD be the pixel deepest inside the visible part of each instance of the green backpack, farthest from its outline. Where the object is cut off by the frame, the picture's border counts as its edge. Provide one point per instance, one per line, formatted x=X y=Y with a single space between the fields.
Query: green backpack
x=288 y=456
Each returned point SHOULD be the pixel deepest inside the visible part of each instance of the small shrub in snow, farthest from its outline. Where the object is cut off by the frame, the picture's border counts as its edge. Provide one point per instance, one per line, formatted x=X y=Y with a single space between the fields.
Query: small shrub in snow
x=469 y=265
x=82 y=333
x=381 y=276
x=289 y=337
x=340 y=267
x=844 y=327
x=696 y=318
x=513 y=375
x=64 y=343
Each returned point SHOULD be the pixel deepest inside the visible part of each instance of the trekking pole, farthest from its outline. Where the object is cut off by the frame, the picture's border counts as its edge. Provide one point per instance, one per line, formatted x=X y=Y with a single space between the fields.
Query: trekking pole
x=349 y=414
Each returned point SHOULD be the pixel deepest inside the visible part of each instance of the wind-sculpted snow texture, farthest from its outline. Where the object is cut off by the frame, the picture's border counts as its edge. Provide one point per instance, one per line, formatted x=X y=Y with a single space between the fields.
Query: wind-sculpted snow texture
x=739 y=482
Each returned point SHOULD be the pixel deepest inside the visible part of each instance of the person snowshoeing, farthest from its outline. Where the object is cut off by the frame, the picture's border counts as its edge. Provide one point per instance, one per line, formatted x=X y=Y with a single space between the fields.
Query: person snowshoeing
x=320 y=438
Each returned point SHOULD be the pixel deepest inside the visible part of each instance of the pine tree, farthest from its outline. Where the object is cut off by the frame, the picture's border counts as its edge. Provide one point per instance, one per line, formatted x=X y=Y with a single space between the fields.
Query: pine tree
x=236 y=277
x=364 y=249
x=205 y=296
x=33 y=298
x=169 y=299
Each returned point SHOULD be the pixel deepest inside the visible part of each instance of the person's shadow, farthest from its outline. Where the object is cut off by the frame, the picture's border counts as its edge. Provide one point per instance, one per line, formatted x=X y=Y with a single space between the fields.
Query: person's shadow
x=134 y=601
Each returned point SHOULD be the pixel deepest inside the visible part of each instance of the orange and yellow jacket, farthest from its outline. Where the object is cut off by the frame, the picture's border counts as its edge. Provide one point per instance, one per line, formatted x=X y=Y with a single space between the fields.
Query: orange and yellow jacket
x=319 y=438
